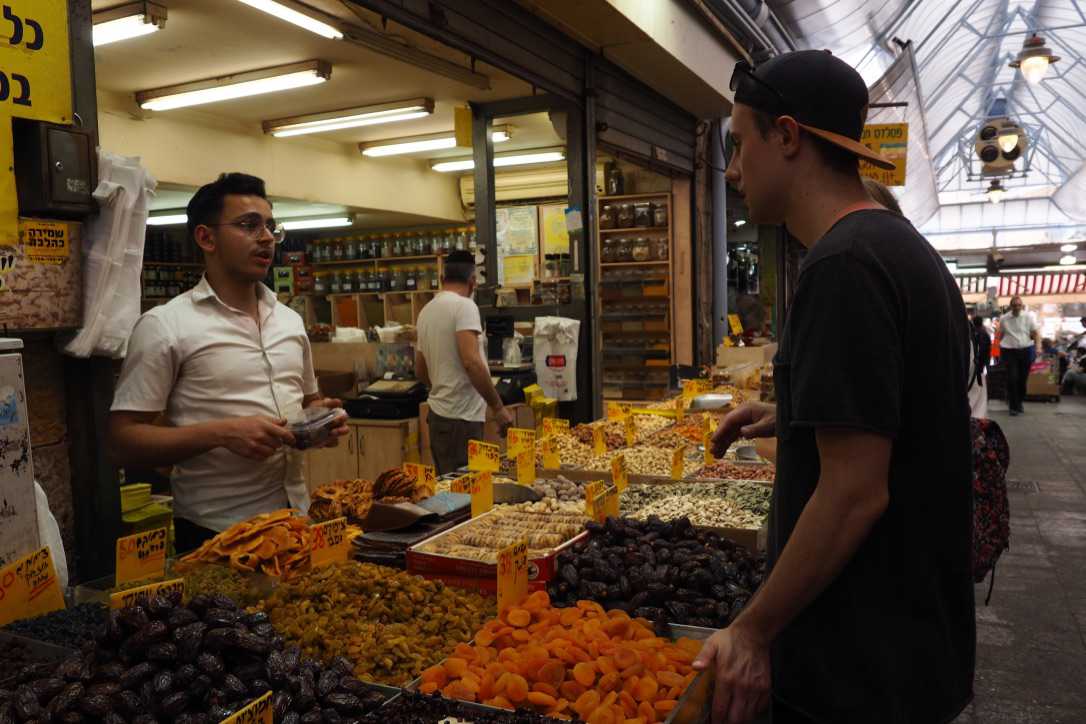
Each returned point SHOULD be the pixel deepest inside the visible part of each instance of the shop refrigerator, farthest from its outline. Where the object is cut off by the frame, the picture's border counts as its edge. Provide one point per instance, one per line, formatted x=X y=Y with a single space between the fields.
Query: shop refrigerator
x=18 y=511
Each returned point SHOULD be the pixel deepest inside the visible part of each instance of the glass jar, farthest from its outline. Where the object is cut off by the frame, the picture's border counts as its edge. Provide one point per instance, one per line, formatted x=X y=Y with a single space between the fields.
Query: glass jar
x=659 y=214
x=350 y=281
x=640 y=250
x=473 y=239
x=337 y=250
x=336 y=286
x=660 y=248
x=386 y=246
x=624 y=217
x=607 y=216
x=643 y=215
x=565 y=265
x=350 y=250
x=392 y=279
x=607 y=254
x=411 y=279
x=625 y=250
x=435 y=283
x=423 y=278
x=462 y=240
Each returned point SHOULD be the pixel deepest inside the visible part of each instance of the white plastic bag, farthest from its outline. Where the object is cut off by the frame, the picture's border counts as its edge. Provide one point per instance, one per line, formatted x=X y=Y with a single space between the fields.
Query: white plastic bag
x=556 y=343
x=49 y=535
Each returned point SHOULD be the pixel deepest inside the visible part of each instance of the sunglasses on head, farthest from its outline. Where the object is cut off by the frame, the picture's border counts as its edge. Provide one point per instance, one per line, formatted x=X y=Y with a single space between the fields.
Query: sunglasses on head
x=743 y=72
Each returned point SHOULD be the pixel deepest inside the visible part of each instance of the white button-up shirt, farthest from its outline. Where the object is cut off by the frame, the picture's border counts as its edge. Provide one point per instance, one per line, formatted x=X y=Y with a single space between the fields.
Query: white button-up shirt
x=198 y=359
x=1017 y=332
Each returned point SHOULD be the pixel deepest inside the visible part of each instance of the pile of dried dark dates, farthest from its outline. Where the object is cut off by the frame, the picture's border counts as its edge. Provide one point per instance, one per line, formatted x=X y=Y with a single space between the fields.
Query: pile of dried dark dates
x=666 y=572
x=192 y=664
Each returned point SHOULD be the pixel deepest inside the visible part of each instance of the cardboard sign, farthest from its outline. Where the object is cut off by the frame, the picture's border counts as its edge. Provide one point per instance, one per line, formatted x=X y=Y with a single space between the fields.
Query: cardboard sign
x=512 y=575
x=141 y=556
x=594 y=507
x=693 y=388
x=532 y=393
x=550 y=456
x=555 y=426
x=891 y=140
x=518 y=441
x=143 y=594
x=735 y=325
x=677 y=460
x=29 y=587
x=484 y=456
x=45 y=242
x=619 y=474
x=526 y=467
x=425 y=477
x=680 y=409
x=328 y=542
x=610 y=501
x=599 y=442
x=629 y=426
x=259 y=712
x=480 y=486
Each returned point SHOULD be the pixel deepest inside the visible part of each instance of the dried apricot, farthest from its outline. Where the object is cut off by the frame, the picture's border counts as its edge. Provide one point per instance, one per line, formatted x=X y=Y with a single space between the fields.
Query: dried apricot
x=517 y=688
x=584 y=673
x=545 y=688
x=540 y=699
x=669 y=678
x=609 y=682
x=571 y=690
x=429 y=687
x=586 y=703
x=552 y=672
x=455 y=666
x=646 y=689
x=664 y=706
x=519 y=617
x=645 y=710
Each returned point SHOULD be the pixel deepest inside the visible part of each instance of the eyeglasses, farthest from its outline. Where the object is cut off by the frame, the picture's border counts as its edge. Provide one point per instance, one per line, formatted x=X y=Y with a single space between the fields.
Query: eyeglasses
x=744 y=70
x=254 y=227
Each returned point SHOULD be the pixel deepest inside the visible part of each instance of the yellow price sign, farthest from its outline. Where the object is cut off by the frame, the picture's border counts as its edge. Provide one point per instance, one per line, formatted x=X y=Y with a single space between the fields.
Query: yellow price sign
x=629 y=425
x=484 y=456
x=677 y=461
x=141 y=556
x=328 y=542
x=140 y=596
x=526 y=467
x=707 y=437
x=480 y=486
x=594 y=508
x=680 y=408
x=618 y=410
x=512 y=575
x=532 y=393
x=735 y=325
x=693 y=388
x=519 y=441
x=45 y=242
x=619 y=474
x=891 y=140
x=550 y=455
x=259 y=712
x=29 y=587
x=425 y=477
x=610 y=501
x=599 y=442
x=555 y=426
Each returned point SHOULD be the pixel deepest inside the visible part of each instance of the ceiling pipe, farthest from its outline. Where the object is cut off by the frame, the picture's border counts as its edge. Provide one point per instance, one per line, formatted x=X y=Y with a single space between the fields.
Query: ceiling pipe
x=755 y=25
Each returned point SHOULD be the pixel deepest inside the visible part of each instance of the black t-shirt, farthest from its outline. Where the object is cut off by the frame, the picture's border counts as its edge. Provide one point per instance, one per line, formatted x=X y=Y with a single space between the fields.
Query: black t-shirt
x=877 y=339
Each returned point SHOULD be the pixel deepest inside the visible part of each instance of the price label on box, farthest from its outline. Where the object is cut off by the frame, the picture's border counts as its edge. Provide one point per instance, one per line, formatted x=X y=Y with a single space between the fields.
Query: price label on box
x=693 y=388
x=618 y=410
x=424 y=475
x=329 y=542
x=519 y=441
x=259 y=712
x=526 y=466
x=512 y=575
x=550 y=455
x=619 y=474
x=141 y=556
x=484 y=456
x=555 y=426
x=599 y=442
x=532 y=393
x=140 y=596
x=480 y=486
x=629 y=425
x=29 y=587
x=610 y=501
x=677 y=460
x=594 y=508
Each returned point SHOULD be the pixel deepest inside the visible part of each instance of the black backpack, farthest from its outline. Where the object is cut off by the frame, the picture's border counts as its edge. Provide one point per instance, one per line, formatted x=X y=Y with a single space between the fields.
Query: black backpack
x=991 y=508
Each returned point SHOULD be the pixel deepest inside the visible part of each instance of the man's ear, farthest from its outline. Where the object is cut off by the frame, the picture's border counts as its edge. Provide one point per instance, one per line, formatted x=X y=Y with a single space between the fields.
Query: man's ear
x=205 y=238
x=789 y=134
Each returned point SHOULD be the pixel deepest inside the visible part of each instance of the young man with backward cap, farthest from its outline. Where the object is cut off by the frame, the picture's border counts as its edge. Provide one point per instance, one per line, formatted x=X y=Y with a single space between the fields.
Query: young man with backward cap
x=867 y=614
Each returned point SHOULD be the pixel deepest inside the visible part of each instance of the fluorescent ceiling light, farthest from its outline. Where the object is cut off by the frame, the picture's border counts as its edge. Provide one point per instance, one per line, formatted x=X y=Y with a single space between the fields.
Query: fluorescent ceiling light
x=350 y=118
x=429 y=142
x=240 y=85
x=168 y=220
x=1067 y=260
x=520 y=158
x=325 y=223
x=291 y=15
x=1068 y=248
x=127 y=21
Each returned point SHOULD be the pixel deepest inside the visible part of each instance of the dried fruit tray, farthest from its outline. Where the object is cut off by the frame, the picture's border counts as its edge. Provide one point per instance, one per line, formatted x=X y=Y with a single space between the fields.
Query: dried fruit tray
x=39 y=651
x=693 y=706
x=477 y=575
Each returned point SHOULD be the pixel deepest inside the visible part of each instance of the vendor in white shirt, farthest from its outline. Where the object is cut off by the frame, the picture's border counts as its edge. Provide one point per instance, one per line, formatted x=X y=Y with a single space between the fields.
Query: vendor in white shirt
x=1018 y=334
x=211 y=377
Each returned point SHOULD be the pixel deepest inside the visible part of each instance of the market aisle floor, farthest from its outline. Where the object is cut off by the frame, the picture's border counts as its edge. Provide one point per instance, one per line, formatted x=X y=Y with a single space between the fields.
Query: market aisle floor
x=1031 y=639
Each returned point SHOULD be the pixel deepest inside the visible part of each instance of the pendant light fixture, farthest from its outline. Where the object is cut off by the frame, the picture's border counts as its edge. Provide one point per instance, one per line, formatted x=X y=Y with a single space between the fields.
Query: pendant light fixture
x=996 y=192
x=1034 y=59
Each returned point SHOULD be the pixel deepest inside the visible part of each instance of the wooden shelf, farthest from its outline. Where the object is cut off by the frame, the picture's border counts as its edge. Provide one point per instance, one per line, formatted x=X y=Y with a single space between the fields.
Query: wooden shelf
x=628 y=197
x=185 y=264
x=388 y=259
x=612 y=264
x=634 y=230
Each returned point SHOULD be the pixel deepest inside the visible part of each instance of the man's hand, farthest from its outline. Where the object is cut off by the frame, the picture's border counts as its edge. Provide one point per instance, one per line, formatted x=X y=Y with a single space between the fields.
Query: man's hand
x=739 y=660
x=339 y=428
x=255 y=438
x=749 y=420
x=504 y=418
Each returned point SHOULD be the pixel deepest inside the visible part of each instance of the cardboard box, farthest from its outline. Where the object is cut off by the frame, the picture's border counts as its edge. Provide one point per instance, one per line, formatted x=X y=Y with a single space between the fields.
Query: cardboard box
x=1043 y=381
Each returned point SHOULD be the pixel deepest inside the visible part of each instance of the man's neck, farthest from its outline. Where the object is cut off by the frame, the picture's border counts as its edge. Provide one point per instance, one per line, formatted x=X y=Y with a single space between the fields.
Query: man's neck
x=461 y=289
x=820 y=203
x=240 y=294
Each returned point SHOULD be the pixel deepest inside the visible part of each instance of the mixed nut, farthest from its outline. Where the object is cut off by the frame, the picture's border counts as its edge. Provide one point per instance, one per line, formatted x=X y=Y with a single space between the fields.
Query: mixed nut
x=717 y=505
x=545 y=525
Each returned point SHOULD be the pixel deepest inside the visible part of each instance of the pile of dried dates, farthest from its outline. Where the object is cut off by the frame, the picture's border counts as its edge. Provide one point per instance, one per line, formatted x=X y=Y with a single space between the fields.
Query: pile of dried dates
x=665 y=572
x=414 y=708
x=194 y=664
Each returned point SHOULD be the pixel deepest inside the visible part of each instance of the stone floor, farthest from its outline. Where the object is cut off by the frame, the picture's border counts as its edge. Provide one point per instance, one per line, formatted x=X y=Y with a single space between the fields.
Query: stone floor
x=1031 y=639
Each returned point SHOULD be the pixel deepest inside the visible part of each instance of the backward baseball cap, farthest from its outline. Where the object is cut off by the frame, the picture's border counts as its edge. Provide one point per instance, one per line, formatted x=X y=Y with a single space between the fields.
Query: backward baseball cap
x=825 y=95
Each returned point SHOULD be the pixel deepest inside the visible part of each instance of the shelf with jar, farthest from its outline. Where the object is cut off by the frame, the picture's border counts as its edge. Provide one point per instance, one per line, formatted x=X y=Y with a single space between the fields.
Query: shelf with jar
x=390 y=247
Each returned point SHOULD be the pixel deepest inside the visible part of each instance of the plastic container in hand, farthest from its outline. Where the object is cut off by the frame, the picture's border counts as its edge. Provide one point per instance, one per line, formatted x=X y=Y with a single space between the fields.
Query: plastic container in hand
x=313 y=426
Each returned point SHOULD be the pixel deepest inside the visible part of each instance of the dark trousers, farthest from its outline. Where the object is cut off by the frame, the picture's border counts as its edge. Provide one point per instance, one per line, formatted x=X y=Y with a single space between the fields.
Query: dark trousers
x=449 y=441
x=187 y=536
x=1017 y=362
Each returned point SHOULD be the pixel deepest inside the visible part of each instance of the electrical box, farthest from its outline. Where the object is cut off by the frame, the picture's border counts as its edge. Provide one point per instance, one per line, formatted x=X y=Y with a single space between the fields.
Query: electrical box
x=56 y=170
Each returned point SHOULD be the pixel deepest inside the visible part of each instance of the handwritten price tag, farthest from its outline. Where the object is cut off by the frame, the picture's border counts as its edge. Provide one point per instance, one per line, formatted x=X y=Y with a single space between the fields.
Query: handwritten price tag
x=693 y=388
x=550 y=456
x=480 y=486
x=141 y=556
x=29 y=587
x=484 y=457
x=619 y=474
x=610 y=501
x=594 y=508
x=677 y=459
x=618 y=410
x=424 y=475
x=630 y=427
x=519 y=441
x=599 y=442
x=532 y=393
x=680 y=409
x=526 y=466
x=143 y=594
x=329 y=543
x=259 y=712
x=735 y=325
x=555 y=426
x=512 y=575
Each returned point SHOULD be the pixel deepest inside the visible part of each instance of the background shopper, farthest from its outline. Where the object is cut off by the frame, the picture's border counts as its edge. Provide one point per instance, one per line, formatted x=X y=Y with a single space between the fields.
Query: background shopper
x=450 y=360
x=1019 y=342
x=982 y=357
